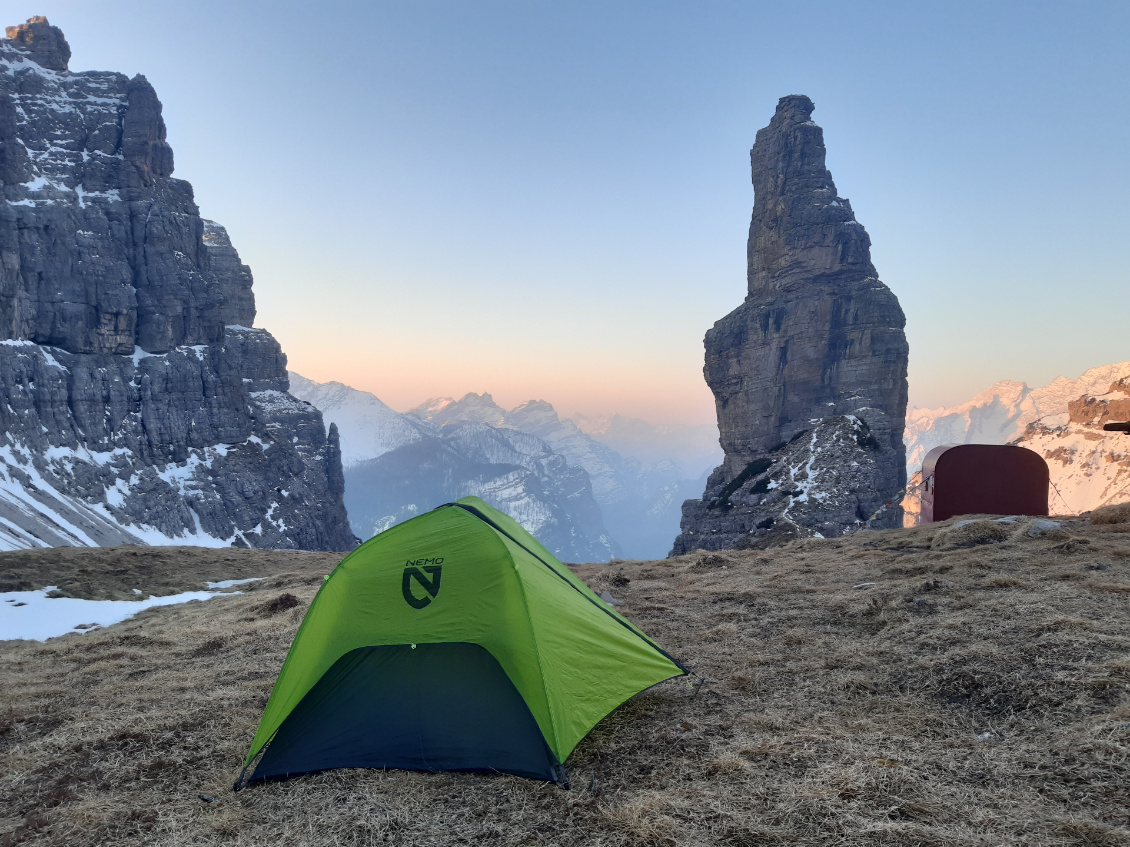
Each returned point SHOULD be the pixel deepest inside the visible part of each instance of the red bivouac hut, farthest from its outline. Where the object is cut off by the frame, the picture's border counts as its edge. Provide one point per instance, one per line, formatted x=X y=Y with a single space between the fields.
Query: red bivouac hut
x=983 y=479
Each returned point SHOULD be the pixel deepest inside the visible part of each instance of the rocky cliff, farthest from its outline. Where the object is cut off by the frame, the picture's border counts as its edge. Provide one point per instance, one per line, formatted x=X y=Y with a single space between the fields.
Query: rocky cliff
x=815 y=356
x=137 y=403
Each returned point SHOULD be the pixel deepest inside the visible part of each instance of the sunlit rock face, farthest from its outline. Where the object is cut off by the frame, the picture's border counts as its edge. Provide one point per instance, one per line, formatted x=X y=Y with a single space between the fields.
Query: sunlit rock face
x=137 y=403
x=1002 y=412
x=818 y=338
x=1089 y=467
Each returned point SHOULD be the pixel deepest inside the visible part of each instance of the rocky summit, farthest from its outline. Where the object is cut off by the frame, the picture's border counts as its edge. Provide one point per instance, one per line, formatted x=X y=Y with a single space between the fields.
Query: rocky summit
x=137 y=403
x=809 y=373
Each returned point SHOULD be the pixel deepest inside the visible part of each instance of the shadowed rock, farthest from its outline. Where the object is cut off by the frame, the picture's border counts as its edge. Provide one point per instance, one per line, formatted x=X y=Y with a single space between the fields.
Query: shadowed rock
x=143 y=132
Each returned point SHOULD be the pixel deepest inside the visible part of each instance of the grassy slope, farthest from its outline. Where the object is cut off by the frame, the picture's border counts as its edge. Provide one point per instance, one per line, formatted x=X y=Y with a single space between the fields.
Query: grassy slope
x=102 y=573
x=976 y=694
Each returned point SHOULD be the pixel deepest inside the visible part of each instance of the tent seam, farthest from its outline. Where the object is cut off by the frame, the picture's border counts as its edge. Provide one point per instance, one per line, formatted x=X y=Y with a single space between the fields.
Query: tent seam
x=537 y=654
x=253 y=753
x=628 y=625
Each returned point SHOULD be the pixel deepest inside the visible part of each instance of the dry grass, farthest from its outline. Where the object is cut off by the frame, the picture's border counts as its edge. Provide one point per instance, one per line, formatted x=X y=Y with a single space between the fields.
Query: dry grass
x=1119 y=513
x=112 y=573
x=977 y=693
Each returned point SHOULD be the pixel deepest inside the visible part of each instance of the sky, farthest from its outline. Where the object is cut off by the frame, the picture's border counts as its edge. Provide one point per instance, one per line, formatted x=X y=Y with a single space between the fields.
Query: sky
x=551 y=199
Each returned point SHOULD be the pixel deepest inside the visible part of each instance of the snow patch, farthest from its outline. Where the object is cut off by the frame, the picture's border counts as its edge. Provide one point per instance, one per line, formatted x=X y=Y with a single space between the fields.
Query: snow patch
x=41 y=617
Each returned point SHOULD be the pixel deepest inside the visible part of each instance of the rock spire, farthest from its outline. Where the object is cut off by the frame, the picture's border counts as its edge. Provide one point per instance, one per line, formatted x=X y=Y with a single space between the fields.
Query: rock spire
x=809 y=373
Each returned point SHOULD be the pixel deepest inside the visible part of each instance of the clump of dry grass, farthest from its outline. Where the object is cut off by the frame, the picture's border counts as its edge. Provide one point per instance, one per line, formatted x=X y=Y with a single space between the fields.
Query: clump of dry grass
x=1119 y=513
x=966 y=695
x=972 y=534
x=281 y=603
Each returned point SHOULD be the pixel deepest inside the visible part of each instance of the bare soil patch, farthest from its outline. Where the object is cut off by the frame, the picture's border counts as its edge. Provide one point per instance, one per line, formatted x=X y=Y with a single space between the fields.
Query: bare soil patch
x=925 y=686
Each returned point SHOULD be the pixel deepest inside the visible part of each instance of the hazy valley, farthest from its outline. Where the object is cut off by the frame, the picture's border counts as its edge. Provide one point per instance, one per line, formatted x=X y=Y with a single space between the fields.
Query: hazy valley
x=586 y=499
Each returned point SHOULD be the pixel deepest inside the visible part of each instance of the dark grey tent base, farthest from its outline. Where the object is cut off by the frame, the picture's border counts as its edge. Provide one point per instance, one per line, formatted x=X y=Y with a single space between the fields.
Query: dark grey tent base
x=427 y=707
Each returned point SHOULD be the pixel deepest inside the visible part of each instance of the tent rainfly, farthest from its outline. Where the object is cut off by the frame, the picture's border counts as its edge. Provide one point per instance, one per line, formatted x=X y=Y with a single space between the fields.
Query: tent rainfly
x=453 y=641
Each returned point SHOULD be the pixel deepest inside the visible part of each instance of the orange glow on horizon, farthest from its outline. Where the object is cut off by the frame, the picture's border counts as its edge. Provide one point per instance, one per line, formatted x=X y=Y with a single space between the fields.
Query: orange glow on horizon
x=657 y=396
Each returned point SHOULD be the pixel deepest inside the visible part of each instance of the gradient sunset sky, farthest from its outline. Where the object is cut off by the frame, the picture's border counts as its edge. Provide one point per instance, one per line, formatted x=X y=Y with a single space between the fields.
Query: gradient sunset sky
x=551 y=199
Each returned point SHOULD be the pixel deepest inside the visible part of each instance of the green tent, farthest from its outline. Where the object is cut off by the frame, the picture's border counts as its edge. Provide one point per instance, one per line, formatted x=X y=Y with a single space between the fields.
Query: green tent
x=453 y=641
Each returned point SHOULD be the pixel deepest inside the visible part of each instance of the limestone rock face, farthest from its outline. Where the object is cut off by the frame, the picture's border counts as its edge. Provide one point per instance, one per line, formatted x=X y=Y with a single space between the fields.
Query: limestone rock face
x=818 y=337
x=1096 y=411
x=137 y=403
x=807 y=486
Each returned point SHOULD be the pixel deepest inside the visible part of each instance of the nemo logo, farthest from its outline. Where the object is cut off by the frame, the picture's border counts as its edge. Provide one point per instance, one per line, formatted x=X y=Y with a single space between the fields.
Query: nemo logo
x=414 y=571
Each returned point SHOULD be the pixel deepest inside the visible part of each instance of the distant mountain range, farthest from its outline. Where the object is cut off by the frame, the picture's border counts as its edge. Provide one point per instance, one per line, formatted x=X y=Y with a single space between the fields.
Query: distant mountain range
x=1062 y=421
x=585 y=500
x=1089 y=467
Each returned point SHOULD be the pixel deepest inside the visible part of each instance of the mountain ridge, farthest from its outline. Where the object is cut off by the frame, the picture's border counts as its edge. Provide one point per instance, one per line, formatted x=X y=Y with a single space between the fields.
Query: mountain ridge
x=1062 y=421
x=641 y=502
x=1000 y=413
x=397 y=466
x=368 y=427
x=638 y=501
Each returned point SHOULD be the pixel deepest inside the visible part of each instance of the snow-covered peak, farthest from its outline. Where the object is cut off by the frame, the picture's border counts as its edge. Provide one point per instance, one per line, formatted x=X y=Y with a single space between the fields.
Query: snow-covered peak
x=432 y=404
x=1000 y=413
x=1060 y=391
x=473 y=438
x=366 y=426
x=472 y=408
x=1007 y=393
x=593 y=424
x=1089 y=467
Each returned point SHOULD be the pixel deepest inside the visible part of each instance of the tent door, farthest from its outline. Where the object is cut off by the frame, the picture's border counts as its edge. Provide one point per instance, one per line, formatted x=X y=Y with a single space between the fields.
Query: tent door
x=426 y=707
